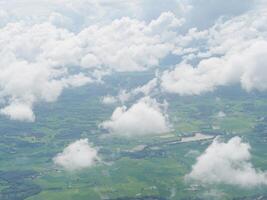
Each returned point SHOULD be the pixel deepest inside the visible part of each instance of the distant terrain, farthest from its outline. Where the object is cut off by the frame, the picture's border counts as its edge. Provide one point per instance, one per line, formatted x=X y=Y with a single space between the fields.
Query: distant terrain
x=147 y=168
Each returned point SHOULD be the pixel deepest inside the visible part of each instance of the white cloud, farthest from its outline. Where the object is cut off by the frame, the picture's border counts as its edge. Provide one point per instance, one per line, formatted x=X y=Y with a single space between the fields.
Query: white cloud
x=19 y=111
x=227 y=163
x=77 y=80
x=128 y=44
x=109 y=99
x=229 y=52
x=143 y=118
x=90 y=61
x=78 y=155
x=44 y=42
x=147 y=89
x=38 y=60
x=186 y=80
x=82 y=13
x=221 y=114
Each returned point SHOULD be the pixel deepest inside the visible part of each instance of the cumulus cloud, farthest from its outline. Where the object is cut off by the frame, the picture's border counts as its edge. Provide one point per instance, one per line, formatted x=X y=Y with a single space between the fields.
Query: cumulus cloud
x=82 y=13
x=147 y=89
x=78 y=155
x=27 y=74
x=19 y=111
x=229 y=52
x=146 y=117
x=48 y=46
x=221 y=114
x=125 y=45
x=109 y=99
x=227 y=163
x=39 y=60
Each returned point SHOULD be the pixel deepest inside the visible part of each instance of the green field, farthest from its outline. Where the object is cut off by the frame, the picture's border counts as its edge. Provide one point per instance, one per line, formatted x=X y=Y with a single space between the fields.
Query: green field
x=26 y=149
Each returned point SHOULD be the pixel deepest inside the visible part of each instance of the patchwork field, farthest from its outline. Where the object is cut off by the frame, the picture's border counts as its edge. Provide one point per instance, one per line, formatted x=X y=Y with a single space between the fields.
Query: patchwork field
x=147 y=168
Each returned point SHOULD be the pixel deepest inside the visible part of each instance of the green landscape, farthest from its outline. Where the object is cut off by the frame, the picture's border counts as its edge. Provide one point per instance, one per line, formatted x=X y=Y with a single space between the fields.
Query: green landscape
x=133 y=99
x=155 y=170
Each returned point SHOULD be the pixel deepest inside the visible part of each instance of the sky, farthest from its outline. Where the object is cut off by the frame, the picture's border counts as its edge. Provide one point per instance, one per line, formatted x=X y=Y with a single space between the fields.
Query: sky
x=45 y=41
x=48 y=46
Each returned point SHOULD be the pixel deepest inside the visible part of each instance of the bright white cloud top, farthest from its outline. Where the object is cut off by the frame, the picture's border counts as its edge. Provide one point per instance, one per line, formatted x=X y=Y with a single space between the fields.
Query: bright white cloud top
x=19 y=111
x=76 y=156
x=38 y=60
x=232 y=52
x=47 y=46
x=227 y=163
x=146 y=117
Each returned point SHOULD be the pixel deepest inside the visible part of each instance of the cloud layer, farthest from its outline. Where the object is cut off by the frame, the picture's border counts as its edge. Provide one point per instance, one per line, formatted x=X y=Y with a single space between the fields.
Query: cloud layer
x=40 y=60
x=48 y=46
x=78 y=155
x=230 y=52
x=143 y=118
x=227 y=163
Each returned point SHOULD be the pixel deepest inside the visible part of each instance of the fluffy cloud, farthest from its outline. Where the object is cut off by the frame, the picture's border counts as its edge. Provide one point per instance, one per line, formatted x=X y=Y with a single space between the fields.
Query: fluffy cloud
x=28 y=75
x=109 y=99
x=76 y=16
x=19 y=111
x=39 y=60
x=143 y=118
x=227 y=163
x=83 y=13
x=229 y=52
x=78 y=155
x=48 y=46
x=221 y=114
x=146 y=90
x=127 y=44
